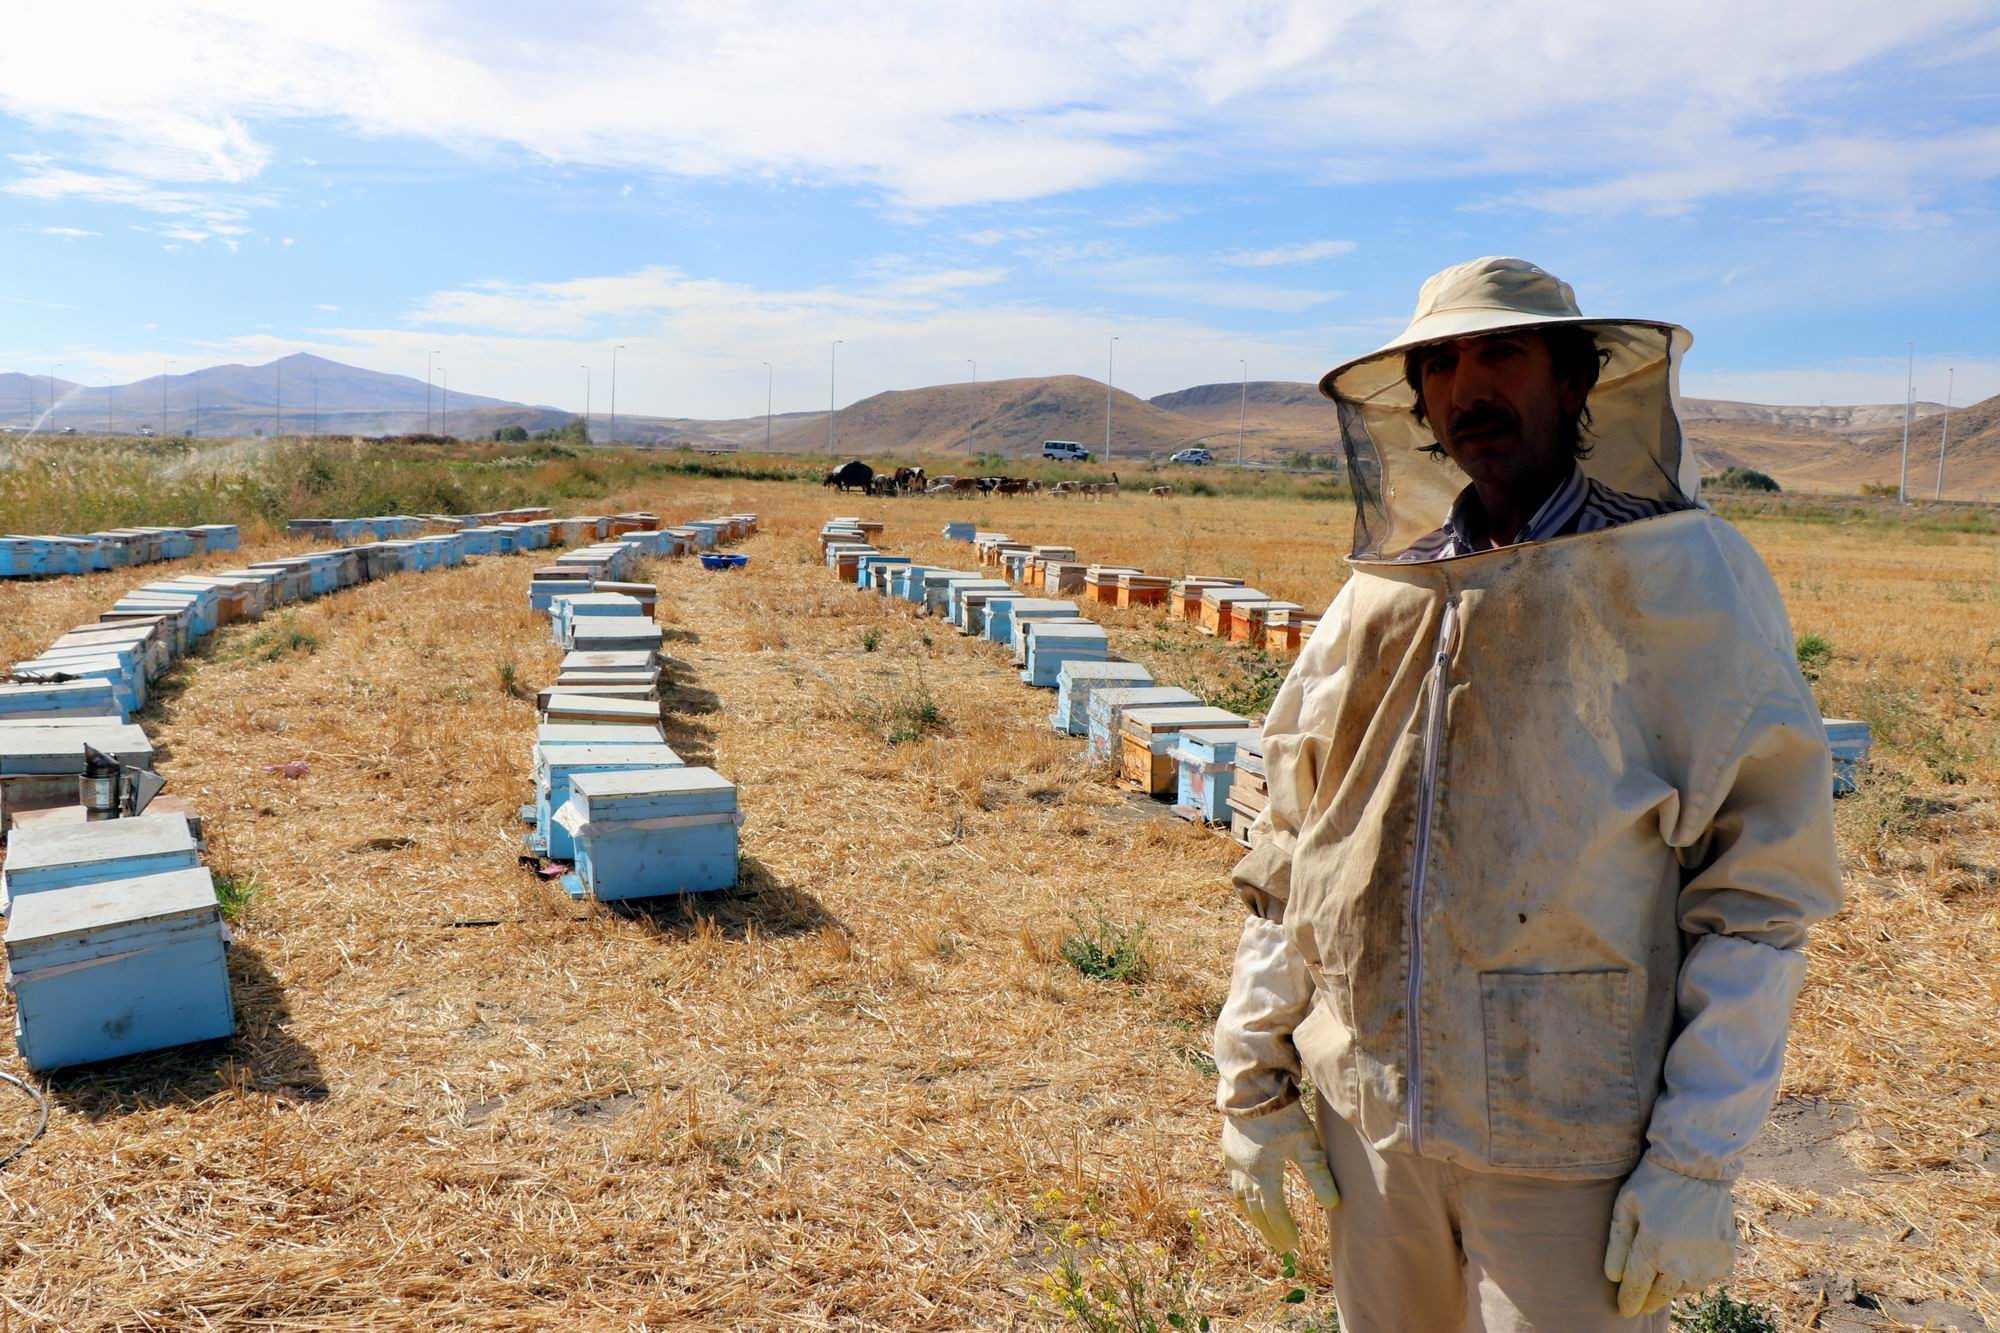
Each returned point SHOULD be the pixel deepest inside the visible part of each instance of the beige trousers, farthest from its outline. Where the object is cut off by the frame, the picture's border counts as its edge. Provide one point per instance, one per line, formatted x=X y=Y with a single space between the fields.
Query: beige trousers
x=1423 y=1247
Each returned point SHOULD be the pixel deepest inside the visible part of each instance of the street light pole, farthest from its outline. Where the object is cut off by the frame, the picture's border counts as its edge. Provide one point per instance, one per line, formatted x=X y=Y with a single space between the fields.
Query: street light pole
x=278 y=372
x=1909 y=406
x=769 y=376
x=832 y=363
x=163 y=397
x=1110 y=360
x=1945 y=438
x=444 y=402
x=1242 y=409
x=427 y=390
x=586 y=403
x=315 y=429
x=612 y=434
x=975 y=369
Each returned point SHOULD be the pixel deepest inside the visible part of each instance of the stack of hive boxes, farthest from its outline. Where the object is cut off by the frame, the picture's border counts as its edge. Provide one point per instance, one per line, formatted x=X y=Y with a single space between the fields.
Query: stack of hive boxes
x=612 y=798
x=25 y=557
x=114 y=940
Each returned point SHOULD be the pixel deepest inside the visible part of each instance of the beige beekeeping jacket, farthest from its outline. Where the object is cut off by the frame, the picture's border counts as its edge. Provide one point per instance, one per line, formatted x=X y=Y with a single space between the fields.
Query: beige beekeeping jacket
x=1546 y=828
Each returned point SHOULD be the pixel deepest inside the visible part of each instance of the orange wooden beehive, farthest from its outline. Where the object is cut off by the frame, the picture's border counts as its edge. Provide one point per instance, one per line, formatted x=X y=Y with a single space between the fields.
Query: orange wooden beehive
x=1249 y=622
x=1142 y=589
x=1185 y=596
x=1100 y=583
x=1215 y=607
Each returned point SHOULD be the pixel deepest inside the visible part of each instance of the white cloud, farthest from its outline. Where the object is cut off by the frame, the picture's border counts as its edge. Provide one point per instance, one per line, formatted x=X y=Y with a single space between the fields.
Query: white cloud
x=68 y=233
x=287 y=242
x=1305 y=252
x=328 y=308
x=936 y=106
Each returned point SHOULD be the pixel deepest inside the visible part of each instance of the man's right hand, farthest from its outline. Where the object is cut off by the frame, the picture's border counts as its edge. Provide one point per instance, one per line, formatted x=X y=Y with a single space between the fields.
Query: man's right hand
x=1255 y=1149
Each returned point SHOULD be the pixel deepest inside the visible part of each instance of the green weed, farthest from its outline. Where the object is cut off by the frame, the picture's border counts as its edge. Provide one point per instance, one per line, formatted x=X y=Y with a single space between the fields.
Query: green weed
x=1101 y=1285
x=1717 y=1312
x=234 y=892
x=1108 y=951
x=1814 y=651
x=871 y=638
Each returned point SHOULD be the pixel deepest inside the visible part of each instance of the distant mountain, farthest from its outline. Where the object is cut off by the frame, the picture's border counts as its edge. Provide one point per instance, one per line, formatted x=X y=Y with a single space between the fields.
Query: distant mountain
x=1828 y=448
x=1006 y=417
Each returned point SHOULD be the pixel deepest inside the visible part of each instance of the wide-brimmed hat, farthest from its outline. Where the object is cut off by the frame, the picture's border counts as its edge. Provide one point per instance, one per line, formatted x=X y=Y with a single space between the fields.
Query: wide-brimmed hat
x=1635 y=438
x=1480 y=296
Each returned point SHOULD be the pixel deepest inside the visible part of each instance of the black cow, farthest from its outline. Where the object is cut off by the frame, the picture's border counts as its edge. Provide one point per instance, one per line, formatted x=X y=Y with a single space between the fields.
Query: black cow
x=855 y=476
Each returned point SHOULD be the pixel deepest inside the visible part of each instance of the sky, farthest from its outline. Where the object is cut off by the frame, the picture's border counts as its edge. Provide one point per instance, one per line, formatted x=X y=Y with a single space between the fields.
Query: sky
x=991 y=190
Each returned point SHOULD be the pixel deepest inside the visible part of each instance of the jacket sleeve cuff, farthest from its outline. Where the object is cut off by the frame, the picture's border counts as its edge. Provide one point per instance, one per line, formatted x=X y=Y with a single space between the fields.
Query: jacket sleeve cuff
x=1270 y=993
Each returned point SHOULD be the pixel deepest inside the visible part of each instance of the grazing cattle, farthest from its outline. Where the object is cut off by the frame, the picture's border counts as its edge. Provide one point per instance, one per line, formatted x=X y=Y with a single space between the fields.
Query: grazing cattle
x=1064 y=489
x=884 y=485
x=965 y=485
x=909 y=479
x=1164 y=492
x=855 y=476
x=1015 y=485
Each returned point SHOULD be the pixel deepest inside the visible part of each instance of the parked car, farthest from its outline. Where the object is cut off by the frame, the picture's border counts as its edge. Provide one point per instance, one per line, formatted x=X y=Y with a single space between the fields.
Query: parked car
x=1065 y=451
x=1194 y=457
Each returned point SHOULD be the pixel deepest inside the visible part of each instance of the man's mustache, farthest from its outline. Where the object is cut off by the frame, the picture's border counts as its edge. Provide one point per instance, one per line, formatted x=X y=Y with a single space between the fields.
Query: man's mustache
x=1483 y=416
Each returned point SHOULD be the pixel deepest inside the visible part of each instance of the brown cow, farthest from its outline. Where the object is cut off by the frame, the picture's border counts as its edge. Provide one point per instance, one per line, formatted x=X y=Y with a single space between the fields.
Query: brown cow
x=1163 y=492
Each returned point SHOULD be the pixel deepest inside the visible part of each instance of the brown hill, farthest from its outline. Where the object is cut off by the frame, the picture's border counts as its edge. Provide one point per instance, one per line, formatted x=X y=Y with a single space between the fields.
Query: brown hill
x=1006 y=417
x=1279 y=417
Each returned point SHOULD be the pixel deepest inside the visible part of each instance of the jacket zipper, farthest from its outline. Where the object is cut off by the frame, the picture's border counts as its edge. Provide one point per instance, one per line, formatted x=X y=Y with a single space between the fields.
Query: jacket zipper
x=1434 y=700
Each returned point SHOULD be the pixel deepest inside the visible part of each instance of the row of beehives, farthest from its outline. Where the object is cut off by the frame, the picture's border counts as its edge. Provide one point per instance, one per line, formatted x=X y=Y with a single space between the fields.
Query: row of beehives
x=115 y=940
x=1214 y=603
x=1162 y=739
x=613 y=802
x=574 y=531
x=51 y=557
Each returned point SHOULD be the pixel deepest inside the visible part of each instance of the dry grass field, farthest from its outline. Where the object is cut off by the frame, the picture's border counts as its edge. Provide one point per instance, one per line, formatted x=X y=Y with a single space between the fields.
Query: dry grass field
x=868 y=1089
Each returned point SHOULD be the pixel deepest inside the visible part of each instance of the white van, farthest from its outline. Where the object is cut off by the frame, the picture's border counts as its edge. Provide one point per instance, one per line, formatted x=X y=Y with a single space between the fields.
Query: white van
x=1067 y=451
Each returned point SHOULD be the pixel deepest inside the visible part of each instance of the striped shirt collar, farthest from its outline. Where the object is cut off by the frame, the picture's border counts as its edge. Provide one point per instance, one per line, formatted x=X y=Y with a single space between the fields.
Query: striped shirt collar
x=1467 y=520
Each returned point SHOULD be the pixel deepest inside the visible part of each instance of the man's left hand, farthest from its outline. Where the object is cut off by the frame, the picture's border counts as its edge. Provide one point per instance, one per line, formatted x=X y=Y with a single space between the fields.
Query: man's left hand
x=1670 y=1235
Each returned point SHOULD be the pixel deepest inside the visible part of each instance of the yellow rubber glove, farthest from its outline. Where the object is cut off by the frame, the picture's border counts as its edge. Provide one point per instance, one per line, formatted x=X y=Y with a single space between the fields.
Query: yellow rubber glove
x=1670 y=1235
x=1255 y=1149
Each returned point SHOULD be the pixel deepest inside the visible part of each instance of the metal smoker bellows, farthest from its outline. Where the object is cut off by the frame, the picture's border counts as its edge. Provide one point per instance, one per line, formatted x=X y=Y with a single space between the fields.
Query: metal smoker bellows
x=108 y=789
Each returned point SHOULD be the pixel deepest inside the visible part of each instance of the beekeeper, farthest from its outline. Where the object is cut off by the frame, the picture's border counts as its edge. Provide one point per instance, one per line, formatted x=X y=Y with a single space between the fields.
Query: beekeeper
x=1550 y=812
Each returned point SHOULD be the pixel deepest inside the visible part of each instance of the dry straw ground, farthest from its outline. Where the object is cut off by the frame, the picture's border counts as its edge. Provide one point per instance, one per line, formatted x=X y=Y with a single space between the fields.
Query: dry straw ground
x=867 y=1091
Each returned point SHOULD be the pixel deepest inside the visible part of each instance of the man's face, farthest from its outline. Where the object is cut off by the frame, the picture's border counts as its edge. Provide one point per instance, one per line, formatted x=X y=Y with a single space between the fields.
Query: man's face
x=1496 y=406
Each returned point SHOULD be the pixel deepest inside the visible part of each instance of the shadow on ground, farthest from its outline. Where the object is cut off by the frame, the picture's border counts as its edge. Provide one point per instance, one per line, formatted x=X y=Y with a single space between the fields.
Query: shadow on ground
x=760 y=902
x=263 y=1057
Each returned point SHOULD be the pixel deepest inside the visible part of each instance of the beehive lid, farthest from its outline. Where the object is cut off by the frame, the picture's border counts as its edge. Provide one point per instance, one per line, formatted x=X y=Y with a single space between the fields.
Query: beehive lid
x=603 y=603
x=1143 y=580
x=1141 y=696
x=598 y=733
x=651 y=792
x=84 y=909
x=27 y=746
x=1109 y=573
x=615 y=660
x=938 y=577
x=1072 y=631
x=554 y=754
x=1181 y=718
x=1043 y=606
x=565 y=705
x=613 y=629
x=1219 y=741
x=1105 y=671
x=103 y=842
x=1231 y=595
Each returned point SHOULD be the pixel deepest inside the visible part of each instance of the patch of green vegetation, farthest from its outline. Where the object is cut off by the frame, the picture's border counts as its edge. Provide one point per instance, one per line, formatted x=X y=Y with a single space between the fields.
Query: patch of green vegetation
x=1252 y=691
x=273 y=641
x=1742 y=479
x=906 y=717
x=871 y=639
x=234 y=892
x=1814 y=652
x=1108 y=950
x=1718 y=1312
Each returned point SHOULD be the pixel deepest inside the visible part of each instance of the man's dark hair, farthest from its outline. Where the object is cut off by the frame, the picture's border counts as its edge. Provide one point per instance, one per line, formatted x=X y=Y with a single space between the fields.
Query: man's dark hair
x=1576 y=359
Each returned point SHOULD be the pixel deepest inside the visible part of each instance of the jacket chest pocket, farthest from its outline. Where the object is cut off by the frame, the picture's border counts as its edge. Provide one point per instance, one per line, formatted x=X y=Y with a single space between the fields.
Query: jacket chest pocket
x=1559 y=1085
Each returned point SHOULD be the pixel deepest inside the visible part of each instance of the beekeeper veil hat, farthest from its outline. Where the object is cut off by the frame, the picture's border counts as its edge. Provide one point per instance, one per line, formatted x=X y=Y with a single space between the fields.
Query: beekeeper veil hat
x=1634 y=437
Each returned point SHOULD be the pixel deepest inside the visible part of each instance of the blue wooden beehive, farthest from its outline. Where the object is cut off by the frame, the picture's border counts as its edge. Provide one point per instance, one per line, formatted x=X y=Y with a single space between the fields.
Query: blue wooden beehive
x=640 y=732
x=651 y=833
x=1076 y=681
x=115 y=967
x=55 y=745
x=1850 y=741
x=1107 y=713
x=557 y=763
x=865 y=569
x=1033 y=611
x=1003 y=613
x=1053 y=643
x=220 y=537
x=936 y=583
x=118 y=671
x=48 y=857
x=1206 y=759
x=959 y=532
x=73 y=698
x=955 y=590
